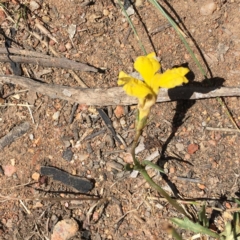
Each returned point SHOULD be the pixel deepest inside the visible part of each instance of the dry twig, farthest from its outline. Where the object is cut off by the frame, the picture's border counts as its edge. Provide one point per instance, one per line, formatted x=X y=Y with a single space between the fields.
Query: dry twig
x=116 y=95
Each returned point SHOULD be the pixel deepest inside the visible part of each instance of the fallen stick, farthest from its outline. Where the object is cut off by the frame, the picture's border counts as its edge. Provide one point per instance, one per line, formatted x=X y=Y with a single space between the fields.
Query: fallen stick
x=49 y=62
x=23 y=52
x=116 y=95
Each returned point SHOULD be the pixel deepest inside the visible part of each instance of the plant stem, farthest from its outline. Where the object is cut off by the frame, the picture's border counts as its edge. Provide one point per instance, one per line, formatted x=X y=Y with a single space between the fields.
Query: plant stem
x=173 y=202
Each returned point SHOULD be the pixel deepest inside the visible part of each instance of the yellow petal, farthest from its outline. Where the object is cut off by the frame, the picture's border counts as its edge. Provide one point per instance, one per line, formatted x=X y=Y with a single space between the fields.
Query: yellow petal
x=147 y=66
x=136 y=88
x=173 y=77
x=123 y=78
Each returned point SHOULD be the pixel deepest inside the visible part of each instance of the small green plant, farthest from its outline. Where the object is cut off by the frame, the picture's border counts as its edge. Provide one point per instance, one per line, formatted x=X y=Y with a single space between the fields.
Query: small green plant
x=231 y=231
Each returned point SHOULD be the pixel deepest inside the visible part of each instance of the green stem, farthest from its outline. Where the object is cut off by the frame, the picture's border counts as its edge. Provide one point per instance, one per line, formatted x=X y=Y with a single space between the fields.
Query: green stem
x=134 y=145
x=173 y=202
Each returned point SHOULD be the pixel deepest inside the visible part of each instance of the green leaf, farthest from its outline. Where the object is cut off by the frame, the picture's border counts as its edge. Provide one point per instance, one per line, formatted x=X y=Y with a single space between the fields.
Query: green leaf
x=195 y=227
x=203 y=218
x=152 y=165
x=237 y=201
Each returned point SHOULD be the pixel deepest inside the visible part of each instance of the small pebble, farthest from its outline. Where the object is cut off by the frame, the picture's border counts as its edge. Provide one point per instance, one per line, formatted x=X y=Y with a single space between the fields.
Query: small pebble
x=187 y=156
x=115 y=124
x=65 y=229
x=34 y=6
x=201 y=186
x=67 y=154
x=130 y=11
x=66 y=144
x=68 y=46
x=119 y=111
x=35 y=176
x=46 y=19
x=62 y=48
x=172 y=170
x=208 y=8
x=105 y=12
x=192 y=148
x=123 y=122
x=180 y=147
x=56 y=115
x=31 y=136
x=9 y=170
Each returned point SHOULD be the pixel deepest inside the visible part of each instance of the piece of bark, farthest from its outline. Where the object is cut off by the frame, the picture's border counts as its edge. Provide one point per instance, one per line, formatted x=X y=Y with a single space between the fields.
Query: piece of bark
x=116 y=95
x=81 y=184
x=14 y=134
x=50 y=62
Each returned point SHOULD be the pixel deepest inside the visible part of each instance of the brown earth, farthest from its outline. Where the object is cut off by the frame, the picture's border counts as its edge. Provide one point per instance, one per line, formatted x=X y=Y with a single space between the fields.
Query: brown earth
x=178 y=131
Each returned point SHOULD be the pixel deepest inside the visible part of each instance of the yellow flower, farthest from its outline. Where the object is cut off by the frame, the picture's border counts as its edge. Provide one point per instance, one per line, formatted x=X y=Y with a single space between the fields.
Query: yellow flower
x=146 y=91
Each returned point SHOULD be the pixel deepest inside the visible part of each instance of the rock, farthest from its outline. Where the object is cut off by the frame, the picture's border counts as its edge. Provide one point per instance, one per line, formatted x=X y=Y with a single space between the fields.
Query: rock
x=62 y=48
x=34 y=6
x=66 y=143
x=68 y=46
x=9 y=170
x=56 y=115
x=172 y=170
x=105 y=12
x=192 y=148
x=67 y=154
x=208 y=9
x=180 y=147
x=119 y=111
x=31 y=137
x=122 y=122
x=35 y=176
x=65 y=229
x=201 y=186
x=130 y=11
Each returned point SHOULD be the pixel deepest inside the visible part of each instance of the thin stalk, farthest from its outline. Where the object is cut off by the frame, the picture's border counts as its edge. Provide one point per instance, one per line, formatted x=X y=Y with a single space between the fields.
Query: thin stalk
x=134 y=145
x=172 y=201
x=174 y=25
x=133 y=28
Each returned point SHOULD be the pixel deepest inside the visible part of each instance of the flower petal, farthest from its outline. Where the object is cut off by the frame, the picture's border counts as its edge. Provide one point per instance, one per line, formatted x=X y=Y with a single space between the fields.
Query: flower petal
x=134 y=87
x=147 y=66
x=122 y=78
x=172 y=77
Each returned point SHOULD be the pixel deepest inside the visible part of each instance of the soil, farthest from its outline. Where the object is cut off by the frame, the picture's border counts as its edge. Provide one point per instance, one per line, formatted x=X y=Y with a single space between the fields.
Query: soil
x=177 y=133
